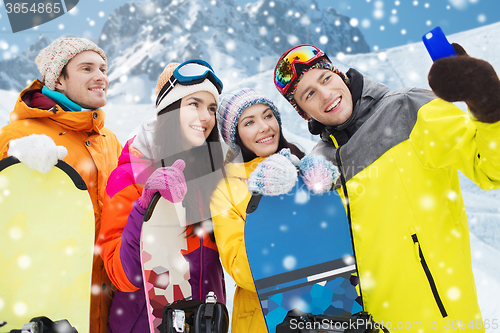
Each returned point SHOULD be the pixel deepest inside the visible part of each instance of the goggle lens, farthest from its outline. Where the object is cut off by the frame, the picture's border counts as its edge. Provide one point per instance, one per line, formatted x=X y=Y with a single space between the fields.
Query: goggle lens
x=193 y=69
x=285 y=71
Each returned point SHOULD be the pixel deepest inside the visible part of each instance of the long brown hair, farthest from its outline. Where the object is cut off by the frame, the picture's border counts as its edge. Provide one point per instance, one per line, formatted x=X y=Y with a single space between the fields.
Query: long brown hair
x=202 y=164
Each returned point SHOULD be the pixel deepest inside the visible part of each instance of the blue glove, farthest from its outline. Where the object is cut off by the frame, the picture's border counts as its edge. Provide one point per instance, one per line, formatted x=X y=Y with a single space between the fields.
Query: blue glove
x=318 y=174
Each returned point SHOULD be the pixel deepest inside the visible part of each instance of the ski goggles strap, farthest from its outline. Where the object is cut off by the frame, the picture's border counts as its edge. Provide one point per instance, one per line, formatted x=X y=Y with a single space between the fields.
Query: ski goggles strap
x=286 y=72
x=188 y=73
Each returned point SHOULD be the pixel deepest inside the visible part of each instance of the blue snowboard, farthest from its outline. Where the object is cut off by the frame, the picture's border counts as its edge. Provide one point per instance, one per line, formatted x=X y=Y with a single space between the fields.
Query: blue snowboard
x=300 y=253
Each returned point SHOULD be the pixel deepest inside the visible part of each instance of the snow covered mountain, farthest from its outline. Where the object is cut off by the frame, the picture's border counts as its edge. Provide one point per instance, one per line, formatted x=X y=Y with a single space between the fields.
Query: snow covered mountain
x=15 y=73
x=141 y=37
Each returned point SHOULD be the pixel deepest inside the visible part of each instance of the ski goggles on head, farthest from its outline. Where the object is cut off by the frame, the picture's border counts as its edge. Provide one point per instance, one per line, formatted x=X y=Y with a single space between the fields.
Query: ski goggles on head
x=287 y=69
x=188 y=73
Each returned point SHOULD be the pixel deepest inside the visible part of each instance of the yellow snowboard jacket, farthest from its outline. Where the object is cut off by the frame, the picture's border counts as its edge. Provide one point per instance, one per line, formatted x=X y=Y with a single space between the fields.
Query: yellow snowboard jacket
x=399 y=157
x=228 y=207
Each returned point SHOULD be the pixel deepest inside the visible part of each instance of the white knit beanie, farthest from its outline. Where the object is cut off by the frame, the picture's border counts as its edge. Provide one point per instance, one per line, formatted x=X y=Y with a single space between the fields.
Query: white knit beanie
x=179 y=91
x=52 y=59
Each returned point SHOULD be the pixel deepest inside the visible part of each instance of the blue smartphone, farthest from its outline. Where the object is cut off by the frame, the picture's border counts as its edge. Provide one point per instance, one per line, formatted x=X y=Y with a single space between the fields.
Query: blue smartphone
x=437 y=45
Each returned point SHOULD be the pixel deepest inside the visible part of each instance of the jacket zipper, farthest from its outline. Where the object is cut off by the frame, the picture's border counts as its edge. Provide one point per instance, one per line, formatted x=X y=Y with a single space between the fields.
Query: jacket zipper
x=202 y=297
x=348 y=208
x=420 y=257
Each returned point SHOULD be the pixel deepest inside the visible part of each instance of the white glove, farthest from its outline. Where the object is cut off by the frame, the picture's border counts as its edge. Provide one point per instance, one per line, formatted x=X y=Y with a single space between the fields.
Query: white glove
x=276 y=175
x=318 y=173
x=38 y=151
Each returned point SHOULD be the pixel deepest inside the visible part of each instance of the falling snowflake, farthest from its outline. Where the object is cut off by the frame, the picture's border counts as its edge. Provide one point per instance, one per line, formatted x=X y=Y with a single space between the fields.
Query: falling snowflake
x=481 y=18
x=24 y=261
x=69 y=250
x=354 y=22
x=16 y=233
x=348 y=259
x=293 y=40
x=95 y=289
x=427 y=202
x=20 y=308
x=453 y=293
x=323 y=39
x=289 y=262
x=230 y=45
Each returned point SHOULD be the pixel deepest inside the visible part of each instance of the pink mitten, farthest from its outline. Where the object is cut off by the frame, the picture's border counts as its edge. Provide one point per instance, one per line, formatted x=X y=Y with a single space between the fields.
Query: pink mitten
x=169 y=181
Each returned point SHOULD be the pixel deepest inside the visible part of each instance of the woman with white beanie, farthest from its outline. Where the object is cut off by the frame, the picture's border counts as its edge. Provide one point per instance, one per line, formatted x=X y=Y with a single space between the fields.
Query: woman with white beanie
x=176 y=154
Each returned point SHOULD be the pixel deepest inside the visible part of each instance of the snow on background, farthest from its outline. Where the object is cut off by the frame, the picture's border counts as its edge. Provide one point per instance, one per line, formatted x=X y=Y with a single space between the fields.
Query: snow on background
x=243 y=45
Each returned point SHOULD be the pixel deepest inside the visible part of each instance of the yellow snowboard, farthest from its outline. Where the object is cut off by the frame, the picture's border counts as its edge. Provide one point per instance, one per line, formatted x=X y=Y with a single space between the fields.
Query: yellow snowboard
x=46 y=245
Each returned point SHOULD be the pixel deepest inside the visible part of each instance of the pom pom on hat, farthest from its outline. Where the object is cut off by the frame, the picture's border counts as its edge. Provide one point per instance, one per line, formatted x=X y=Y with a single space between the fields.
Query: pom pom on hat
x=179 y=91
x=230 y=109
x=52 y=59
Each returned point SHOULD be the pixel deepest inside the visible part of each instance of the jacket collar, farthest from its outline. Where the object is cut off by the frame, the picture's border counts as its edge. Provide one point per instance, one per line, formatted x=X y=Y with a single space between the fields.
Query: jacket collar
x=83 y=121
x=242 y=170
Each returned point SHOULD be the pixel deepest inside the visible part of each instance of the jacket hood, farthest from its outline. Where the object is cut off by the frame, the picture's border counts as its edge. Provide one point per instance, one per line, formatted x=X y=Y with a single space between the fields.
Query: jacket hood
x=143 y=141
x=86 y=121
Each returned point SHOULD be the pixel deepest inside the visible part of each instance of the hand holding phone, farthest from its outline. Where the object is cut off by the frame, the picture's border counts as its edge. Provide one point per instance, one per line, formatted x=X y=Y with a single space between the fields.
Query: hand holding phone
x=437 y=45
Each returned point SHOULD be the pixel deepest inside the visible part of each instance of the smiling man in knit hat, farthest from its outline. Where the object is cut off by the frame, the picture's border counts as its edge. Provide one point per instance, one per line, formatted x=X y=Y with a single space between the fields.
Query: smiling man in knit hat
x=60 y=117
x=399 y=153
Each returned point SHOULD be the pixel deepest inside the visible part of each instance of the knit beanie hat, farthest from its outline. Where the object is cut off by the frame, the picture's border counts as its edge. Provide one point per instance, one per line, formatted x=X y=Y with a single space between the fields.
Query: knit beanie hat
x=230 y=109
x=179 y=91
x=324 y=63
x=52 y=59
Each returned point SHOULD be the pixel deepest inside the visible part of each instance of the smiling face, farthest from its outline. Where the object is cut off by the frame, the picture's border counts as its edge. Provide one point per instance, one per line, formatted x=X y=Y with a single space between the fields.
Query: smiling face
x=324 y=96
x=86 y=82
x=197 y=117
x=259 y=130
